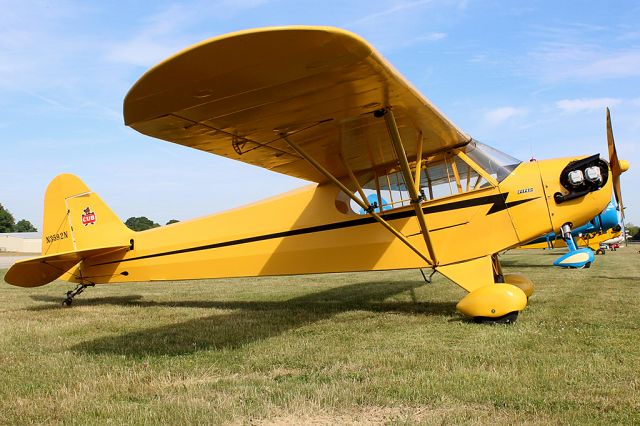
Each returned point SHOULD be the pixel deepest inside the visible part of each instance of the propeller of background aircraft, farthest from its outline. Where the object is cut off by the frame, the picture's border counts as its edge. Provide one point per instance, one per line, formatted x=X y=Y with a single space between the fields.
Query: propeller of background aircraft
x=617 y=168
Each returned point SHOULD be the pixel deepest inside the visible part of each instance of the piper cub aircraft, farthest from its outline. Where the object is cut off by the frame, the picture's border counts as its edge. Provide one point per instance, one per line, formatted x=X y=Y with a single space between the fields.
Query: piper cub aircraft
x=321 y=104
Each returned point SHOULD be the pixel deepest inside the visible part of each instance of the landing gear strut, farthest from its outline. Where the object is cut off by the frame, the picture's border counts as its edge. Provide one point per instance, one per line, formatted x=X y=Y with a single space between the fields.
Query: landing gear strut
x=577 y=258
x=73 y=293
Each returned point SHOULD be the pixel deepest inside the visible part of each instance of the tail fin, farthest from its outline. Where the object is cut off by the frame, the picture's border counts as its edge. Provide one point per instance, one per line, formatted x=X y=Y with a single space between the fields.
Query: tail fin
x=77 y=224
x=76 y=219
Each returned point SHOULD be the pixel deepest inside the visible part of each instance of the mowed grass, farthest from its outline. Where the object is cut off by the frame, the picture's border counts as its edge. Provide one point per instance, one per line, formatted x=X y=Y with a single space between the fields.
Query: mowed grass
x=326 y=349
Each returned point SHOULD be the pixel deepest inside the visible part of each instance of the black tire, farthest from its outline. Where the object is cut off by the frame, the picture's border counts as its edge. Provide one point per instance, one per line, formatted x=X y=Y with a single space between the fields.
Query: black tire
x=600 y=251
x=509 y=318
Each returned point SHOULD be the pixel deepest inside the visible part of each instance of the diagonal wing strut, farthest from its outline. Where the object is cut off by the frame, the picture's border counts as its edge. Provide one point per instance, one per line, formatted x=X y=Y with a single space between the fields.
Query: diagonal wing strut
x=416 y=199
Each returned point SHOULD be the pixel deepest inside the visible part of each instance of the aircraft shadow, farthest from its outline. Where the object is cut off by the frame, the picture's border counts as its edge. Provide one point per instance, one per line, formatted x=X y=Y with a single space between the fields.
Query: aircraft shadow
x=54 y=302
x=516 y=263
x=243 y=322
x=636 y=278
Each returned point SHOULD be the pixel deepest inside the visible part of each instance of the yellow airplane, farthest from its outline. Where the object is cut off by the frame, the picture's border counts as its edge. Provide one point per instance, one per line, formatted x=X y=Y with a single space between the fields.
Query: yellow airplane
x=321 y=104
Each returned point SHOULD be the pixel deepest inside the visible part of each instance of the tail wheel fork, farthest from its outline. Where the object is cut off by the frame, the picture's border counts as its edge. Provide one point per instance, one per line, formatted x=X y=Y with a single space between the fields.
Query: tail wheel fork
x=68 y=300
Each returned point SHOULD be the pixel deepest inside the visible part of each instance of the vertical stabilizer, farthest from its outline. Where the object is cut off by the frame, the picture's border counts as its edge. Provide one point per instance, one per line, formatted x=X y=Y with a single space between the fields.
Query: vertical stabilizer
x=76 y=219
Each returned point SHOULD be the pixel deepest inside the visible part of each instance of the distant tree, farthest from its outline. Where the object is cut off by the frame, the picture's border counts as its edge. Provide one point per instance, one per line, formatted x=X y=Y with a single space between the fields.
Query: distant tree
x=140 y=223
x=631 y=230
x=173 y=221
x=7 y=222
x=25 y=226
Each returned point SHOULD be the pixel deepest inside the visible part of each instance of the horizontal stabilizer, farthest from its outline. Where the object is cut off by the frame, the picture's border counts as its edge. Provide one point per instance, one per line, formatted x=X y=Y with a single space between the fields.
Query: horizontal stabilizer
x=42 y=270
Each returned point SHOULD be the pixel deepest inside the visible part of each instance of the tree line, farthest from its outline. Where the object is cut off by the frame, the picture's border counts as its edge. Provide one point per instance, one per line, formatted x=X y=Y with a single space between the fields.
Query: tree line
x=8 y=223
x=143 y=223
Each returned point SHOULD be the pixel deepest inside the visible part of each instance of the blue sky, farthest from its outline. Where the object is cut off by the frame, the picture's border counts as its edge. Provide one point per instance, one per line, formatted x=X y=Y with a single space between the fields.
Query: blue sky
x=530 y=78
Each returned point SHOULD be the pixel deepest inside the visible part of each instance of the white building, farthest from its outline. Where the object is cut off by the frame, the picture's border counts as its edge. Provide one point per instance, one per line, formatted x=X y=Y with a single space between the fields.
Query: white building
x=21 y=242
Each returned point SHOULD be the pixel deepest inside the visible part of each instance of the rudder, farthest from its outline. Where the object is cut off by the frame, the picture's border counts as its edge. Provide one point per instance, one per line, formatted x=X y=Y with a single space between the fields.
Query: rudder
x=76 y=219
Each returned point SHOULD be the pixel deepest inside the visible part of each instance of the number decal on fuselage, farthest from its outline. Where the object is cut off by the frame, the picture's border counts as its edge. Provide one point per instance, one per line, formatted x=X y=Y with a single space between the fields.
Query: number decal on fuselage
x=56 y=237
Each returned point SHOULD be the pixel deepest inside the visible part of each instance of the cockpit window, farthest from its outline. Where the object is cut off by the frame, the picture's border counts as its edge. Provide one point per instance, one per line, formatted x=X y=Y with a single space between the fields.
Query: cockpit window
x=441 y=175
x=494 y=162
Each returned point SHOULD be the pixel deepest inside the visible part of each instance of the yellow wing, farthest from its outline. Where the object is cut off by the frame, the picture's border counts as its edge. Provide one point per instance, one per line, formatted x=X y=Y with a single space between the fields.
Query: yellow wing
x=234 y=95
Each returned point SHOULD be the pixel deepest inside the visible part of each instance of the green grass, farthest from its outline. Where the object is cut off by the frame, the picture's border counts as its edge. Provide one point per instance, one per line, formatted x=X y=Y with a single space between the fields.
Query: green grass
x=325 y=349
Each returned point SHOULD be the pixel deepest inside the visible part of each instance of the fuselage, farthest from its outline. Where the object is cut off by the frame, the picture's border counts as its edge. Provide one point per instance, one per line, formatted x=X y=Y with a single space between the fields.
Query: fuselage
x=309 y=230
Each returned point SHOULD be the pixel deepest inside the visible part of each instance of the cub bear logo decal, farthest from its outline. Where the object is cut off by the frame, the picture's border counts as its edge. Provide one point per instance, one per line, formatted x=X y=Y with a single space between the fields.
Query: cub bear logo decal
x=88 y=217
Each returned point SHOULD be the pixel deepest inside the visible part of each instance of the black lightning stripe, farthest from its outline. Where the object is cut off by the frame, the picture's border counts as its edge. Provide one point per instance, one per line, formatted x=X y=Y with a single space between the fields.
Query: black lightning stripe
x=497 y=201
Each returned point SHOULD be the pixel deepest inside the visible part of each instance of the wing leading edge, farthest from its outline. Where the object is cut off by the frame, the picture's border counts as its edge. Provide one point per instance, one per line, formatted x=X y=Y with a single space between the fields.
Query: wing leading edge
x=235 y=95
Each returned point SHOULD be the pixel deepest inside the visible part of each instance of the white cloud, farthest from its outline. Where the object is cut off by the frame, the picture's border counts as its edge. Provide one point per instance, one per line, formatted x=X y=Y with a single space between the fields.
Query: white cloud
x=581 y=52
x=31 y=45
x=586 y=104
x=432 y=37
x=502 y=114
x=143 y=51
x=611 y=65
x=155 y=39
x=389 y=11
x=163 y=33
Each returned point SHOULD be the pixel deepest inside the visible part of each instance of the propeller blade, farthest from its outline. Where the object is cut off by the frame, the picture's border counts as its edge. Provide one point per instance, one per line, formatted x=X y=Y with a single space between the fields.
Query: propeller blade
x=614 y=163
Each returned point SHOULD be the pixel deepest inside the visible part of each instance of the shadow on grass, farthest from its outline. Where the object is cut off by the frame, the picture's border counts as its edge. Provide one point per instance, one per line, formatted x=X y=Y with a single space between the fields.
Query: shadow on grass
x=54 y=302
x=243 y=322
x=523 y=263
x=633 y=280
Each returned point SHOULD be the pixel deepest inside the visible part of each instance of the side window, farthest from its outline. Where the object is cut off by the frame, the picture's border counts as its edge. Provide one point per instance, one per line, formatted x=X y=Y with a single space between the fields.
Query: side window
x=440 y=176
x=437 y=179
x=449 y=175
x=385 y=193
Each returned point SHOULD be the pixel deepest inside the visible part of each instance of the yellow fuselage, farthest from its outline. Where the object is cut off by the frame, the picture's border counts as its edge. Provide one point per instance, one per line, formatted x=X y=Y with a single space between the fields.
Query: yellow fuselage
x=303 y=232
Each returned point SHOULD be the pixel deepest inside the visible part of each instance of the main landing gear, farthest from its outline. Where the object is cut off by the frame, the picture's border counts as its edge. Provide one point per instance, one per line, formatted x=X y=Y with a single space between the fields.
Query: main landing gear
x=499 y=299
x=73 y=293
x=576 y=258
x=509 y=318
x=497 y=303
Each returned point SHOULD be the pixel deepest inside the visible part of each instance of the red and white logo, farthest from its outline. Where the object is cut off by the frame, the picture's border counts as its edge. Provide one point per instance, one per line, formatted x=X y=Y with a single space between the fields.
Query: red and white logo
x=88 y=217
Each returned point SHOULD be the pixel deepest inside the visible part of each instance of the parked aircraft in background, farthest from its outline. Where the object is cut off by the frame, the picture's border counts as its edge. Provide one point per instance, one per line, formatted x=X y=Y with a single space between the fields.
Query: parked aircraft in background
x=605 y=226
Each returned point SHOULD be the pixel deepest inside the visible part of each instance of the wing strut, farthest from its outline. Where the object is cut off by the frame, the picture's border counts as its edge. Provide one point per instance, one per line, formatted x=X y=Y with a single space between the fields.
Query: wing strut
x=416 y=198
x=369 y=209
x=419 y=161
x=355 y=182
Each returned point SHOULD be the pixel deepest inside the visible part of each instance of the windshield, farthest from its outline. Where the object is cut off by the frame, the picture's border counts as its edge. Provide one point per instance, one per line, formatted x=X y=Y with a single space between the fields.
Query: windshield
x=496 y=163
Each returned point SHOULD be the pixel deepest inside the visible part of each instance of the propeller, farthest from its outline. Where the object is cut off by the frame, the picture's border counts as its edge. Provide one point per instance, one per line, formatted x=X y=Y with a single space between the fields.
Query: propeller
x=617 y=166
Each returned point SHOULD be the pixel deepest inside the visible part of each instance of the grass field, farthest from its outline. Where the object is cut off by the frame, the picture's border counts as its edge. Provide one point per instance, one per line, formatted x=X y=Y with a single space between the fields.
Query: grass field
x=326 y=349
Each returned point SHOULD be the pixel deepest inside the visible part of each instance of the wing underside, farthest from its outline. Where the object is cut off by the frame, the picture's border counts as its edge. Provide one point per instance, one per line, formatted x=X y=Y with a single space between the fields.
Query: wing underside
x=236 y=95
